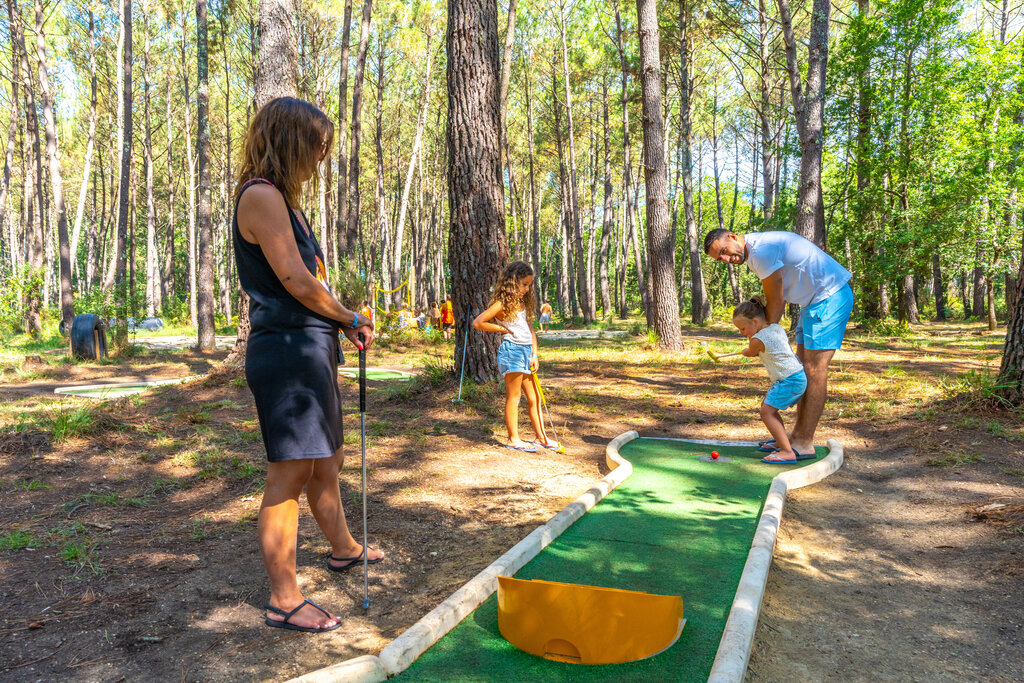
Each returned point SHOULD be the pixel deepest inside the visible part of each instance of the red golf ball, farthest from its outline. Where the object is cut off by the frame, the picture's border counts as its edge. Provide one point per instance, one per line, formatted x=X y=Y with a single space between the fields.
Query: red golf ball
x=714 y=455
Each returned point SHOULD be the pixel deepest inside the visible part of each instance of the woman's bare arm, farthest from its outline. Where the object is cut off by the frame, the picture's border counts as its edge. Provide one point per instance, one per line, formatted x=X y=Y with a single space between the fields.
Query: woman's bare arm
x=261 y=213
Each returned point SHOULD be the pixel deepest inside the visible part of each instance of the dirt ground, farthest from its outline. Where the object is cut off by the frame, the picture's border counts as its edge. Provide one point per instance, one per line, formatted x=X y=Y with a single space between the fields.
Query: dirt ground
x=127 y=528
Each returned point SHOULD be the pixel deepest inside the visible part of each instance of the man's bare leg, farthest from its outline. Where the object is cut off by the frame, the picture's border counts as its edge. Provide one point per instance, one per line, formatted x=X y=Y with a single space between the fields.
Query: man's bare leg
x=813 y=402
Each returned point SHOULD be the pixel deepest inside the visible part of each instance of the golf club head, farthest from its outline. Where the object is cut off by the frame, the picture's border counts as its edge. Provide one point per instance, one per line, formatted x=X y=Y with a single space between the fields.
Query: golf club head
x=366 y=604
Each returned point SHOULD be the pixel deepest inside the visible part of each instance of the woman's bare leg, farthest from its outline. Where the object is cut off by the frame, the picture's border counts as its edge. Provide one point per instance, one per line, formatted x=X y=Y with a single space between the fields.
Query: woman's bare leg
x=324 y=495
x=277 y=530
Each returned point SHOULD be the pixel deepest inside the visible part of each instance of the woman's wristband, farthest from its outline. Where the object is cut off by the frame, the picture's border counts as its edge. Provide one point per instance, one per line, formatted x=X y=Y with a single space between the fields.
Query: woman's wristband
x=355 y=320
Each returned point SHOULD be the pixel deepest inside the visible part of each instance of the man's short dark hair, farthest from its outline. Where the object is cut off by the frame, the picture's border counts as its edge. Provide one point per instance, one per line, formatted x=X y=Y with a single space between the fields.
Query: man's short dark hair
x=714 y=236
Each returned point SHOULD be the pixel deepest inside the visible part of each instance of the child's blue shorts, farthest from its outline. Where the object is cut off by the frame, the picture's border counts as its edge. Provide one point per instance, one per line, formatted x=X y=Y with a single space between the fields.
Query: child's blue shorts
x=786 y=392
x=514 y=358
x=822 y=325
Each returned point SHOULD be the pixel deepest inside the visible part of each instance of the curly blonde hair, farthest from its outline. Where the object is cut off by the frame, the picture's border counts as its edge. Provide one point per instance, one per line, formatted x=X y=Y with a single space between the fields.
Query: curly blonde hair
x=507 y=292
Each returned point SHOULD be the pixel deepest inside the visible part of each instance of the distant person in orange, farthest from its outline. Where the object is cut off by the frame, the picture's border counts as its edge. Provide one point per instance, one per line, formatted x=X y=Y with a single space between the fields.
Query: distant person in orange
x=447 y=318
x=367 y=311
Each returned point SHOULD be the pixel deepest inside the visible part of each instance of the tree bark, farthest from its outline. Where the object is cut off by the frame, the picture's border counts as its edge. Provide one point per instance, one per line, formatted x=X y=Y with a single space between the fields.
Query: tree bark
x=167 y=274
x=541 y=294
x=700 y=305
x=351 y=241
x=664 y=302
x=421 y=122
x=341 y=224
x=67 y=306
x=939 y=285
x=608 y=217
x=152 y=271
x=477 y=249
x=579 y=258
x=277 y=73
x=89 y=148
x=124 y=199
x=205 y=290
x=809 y=110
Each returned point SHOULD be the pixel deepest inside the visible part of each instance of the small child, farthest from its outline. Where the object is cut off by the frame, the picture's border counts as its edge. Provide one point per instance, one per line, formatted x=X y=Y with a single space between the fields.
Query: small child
x=786 y=372
x=511 y=309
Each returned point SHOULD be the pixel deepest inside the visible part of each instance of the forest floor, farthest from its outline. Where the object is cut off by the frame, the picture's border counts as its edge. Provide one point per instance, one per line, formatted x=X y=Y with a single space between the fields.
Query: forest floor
x=127 y=527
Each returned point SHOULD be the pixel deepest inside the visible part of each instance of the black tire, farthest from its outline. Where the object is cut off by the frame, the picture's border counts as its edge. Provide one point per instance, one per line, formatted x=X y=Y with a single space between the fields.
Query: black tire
x=88 y=337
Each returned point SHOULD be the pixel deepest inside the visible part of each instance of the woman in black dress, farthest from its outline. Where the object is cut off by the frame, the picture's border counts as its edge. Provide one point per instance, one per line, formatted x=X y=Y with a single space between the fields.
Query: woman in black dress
x=291 y=360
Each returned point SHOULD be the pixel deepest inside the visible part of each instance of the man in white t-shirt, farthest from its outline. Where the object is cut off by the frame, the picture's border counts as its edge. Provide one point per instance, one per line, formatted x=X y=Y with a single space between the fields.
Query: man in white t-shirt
x=793 y=269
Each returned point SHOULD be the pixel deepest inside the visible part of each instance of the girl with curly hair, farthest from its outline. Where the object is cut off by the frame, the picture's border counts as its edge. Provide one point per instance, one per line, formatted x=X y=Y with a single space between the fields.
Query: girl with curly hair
x=511 y=314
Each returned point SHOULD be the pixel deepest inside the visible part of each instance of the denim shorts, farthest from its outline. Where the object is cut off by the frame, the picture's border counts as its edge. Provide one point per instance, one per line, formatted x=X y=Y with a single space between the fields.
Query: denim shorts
x=514 y=358
x=822 y=325
x=545 y=318
x=787 y=392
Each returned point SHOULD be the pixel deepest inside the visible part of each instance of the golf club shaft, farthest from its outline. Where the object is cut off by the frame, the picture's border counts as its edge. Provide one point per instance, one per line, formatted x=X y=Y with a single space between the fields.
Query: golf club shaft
x=465 y=343
x=543 y=401
x=362 y=443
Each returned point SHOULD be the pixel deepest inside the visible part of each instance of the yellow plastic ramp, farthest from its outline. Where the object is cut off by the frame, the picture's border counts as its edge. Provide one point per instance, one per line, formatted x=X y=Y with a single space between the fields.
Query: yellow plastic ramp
x=586 y=624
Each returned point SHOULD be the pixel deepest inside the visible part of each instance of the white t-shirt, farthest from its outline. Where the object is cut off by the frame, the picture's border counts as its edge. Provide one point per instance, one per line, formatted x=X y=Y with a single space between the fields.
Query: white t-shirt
x=778 y=357
x=520 y=330
x=809 y=275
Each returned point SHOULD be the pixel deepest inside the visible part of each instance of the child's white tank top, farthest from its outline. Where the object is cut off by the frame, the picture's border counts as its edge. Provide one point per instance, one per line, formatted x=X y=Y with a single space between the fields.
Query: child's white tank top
x=519 y=328
x=778 y=357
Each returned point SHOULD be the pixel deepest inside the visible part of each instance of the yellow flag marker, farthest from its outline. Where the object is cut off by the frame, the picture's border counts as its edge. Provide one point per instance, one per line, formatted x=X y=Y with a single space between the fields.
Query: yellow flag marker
x=586 y=624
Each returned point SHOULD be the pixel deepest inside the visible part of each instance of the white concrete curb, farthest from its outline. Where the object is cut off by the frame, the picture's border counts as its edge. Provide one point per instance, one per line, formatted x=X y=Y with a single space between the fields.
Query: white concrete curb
x=398 y=655
x=738 y=638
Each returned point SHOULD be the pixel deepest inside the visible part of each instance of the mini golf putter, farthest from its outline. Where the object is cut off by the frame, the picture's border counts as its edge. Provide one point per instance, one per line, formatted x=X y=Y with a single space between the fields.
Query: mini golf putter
x=714 y=356
x=579 y=624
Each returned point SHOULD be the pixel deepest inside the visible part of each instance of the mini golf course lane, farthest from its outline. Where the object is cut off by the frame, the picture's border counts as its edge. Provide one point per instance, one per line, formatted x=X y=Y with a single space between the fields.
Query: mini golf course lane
x=676 y=526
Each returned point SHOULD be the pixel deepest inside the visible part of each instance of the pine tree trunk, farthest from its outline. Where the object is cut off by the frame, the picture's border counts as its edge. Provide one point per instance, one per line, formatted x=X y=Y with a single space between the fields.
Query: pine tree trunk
x=353 y=230
x=541 y=293
x=123 y=210
x=205 y=257
x=700 y=306
x=89 y=149
x=578 y=257
x=67 y=308
x=341 y=224
x=664 y=303
x=277 y=74
x=809 y=109
x=607 y=222
x=477 y=249
x=939 y=286
x=33 y=192
x=167 y=273
x=152 y=272
x=421 y=122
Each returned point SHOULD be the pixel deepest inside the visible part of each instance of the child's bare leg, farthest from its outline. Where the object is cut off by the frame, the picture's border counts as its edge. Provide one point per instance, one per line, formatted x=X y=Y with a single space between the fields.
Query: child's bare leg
x=533 y=401
x=773 y=421
x=513 y=390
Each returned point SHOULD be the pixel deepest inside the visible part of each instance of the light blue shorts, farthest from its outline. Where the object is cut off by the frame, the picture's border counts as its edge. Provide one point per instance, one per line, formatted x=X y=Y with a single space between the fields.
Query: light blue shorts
x=822 y=325
x=545 y=318
x=787 y=392
x=514 y=358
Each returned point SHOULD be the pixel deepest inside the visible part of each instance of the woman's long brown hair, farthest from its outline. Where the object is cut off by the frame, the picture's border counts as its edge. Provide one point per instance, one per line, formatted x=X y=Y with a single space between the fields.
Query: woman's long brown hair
x=286 y=137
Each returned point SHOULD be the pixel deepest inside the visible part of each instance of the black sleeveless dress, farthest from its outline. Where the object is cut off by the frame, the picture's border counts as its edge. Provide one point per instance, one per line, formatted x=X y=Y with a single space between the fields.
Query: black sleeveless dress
x=291 y=362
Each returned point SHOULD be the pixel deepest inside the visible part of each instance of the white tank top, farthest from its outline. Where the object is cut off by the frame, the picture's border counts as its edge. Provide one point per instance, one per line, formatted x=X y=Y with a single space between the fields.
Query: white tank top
x=519 y=327
x=778 y=357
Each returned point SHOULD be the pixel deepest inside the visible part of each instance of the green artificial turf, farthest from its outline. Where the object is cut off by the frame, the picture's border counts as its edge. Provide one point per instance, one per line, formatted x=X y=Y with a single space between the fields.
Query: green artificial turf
x=676 y=526
x=377 y=374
